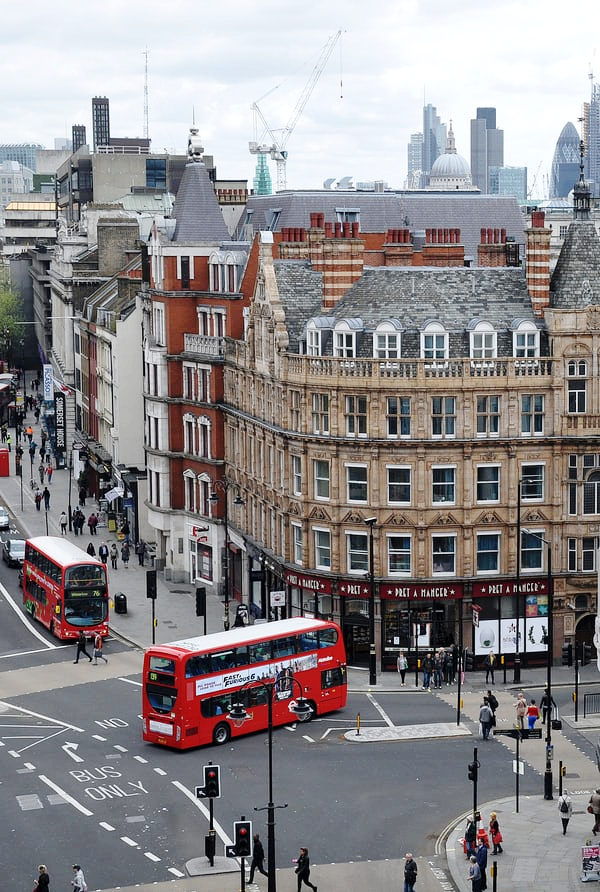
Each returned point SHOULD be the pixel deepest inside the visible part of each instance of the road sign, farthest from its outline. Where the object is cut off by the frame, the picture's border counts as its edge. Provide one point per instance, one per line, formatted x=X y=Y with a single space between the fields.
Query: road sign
x=518 y=767
x=230 y=852
x=525 y=734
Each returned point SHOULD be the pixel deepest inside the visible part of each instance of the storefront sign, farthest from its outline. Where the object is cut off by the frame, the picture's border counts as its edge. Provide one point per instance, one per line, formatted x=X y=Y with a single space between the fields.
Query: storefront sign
x=60 y=419
x=491 y=588
x=354 y=588
x=48 y=383
x=311 y=583
x=423 y=591
x=199 y=532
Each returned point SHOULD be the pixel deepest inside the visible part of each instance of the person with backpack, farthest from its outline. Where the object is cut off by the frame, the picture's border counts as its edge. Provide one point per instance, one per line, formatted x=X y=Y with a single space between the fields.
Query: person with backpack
x=565 y=810
x=98 y=645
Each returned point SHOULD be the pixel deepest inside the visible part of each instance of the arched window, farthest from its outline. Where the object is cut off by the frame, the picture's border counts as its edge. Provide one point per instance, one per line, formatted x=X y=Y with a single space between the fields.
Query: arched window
x=483 y=341
x=434 y=341
x=526 y=339
x=577 y=370
x=387 y=340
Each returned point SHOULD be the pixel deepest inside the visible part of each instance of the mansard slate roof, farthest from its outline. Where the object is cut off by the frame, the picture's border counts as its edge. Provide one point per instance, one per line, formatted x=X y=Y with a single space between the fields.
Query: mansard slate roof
x=469 y=212
x=301 y=292
x=575 y=283
x=452 y=297
x=196 y=210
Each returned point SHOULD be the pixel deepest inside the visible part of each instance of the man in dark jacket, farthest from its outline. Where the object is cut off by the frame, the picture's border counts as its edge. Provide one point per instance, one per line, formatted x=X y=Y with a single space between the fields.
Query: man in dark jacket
x=410 y=873
x=482 y=855
x=258 y=858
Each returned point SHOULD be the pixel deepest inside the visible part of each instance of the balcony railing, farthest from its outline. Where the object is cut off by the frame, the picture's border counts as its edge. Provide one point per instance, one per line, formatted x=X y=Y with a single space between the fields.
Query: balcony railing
x=204 y=345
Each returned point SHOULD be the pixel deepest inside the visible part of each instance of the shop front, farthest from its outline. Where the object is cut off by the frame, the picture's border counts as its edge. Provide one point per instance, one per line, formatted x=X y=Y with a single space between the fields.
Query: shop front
x=309 y=595
x=417 y=617
x=506 y=606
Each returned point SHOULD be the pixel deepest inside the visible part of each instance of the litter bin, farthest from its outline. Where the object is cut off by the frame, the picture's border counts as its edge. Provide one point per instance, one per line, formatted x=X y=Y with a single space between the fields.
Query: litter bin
x=120 y=603
x=517 y=671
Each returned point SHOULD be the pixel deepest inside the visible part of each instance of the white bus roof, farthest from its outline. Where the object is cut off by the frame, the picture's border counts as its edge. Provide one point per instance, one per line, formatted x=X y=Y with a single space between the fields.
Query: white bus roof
x=62 y=551
x=247 y=635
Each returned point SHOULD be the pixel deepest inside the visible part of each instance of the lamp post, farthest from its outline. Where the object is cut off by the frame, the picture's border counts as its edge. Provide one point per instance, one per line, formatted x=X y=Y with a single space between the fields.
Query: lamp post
x=70 y=482
x=239 y=714
x=548 y=772
x=225 y=484
x=370 y=521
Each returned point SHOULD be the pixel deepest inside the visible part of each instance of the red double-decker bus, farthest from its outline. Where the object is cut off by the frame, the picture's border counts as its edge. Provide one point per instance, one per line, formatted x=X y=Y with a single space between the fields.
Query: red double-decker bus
x=189 y=686
x=64 y=588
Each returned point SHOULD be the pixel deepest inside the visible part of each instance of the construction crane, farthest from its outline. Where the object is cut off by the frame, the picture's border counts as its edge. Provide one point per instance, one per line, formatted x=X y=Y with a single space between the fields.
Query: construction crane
x=277 y=149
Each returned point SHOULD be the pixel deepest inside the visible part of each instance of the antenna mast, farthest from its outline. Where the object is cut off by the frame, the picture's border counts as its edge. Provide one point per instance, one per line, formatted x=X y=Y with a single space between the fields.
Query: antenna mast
x=146 y=134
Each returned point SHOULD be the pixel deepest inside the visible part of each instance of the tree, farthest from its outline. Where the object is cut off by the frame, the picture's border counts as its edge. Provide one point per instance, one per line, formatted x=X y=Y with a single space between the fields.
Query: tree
x=12 y=329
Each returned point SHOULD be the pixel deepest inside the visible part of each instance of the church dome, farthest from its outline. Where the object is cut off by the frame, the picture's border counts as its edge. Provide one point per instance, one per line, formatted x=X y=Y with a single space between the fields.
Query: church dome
x=450 y=171
x=450 y=166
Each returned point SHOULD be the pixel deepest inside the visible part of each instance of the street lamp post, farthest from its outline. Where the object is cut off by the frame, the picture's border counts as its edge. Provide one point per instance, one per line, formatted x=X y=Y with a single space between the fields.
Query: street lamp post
x=239 y=714
x=548 y=782
x=225 y=484
x=370 y=521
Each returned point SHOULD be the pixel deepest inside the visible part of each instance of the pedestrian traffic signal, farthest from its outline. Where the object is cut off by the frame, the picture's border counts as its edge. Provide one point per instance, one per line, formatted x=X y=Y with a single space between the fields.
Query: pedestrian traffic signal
x=563 y=770
x=212 y=781
x=586 y=654
x=473 y=768
x=468 y=661
x=242 y=834
x=200 y=601
x=567 y=655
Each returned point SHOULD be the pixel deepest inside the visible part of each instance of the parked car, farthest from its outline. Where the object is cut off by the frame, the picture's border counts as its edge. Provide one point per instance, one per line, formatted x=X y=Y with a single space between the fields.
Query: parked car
x=4 y=519
x=13 y=552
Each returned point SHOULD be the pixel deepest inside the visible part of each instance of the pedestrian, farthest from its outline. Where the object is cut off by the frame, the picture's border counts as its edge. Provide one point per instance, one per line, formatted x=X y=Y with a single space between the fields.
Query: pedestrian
x=46 y=495
x=80 y=521
x=98 y=645
x=410 y=872
x=43 y=881
x=427 y=670
x=258 y=858
x=38 y=500
x=8 y=442
x=82 y=496
x=41 y=471
x=303 y=869
x=489 y=665
x=492 y=702
x=125 y=554
x=470 y=837
x=565 y=809
x=78 y=881
x=49 y=472
x=521 y=708
x=495 y=834
x=485 y=719
x=438 y=668
x=3 y=431
x=125 y=530
x=103 y=552
x=547 y=704
x=140 y=550
x=91 y=550
x=81 y=647
x=481 y=856
x=474 y=874
x=42 y=453
x=63 y=521
x=114 y=554
x=533 y=715
x=90 y=523
x=29 y=433
x=448 y=668
x=594 y=809
x=402 y=664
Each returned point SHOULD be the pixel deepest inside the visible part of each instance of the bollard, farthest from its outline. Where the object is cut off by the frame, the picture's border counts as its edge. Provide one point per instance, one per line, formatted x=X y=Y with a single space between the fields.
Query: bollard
x=357 y=724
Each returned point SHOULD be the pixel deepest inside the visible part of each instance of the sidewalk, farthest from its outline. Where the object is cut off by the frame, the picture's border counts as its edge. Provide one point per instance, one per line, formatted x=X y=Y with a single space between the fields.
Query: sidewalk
x=536 y=854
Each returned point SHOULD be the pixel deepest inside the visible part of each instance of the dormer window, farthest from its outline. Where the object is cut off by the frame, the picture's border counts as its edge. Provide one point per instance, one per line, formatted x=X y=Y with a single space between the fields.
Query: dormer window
x=526 y=339
x=344 y=337
x=313 y=342
x=387 y=340
x=483 y=341
x=434 y=341
x=318 y=330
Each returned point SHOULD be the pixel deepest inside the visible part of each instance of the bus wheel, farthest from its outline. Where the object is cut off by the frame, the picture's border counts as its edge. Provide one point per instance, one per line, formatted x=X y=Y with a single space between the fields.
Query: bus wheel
x=221 y=734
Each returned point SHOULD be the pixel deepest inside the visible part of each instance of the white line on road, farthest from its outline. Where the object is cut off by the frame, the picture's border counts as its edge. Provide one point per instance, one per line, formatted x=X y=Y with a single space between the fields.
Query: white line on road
x=84 y=811
x=175 y=872
x=106 y=826
x=138 y=684
x=99 y=738
x=121 y=749
x=40 y=715
x=69 y=749
x=152 y=857
x=49 y=645
x=161 y=771
x=380 y=710
x=307 y=737
x=129 y=842
x=201 y=807
x=141 y=759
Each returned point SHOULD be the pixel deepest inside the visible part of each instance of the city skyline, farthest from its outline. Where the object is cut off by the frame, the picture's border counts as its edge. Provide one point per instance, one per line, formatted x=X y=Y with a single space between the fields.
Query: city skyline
x=366 y=104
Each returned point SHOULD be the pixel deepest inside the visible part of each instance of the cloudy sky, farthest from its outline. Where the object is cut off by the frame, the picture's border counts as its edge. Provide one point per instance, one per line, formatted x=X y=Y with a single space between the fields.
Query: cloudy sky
x=525 y=58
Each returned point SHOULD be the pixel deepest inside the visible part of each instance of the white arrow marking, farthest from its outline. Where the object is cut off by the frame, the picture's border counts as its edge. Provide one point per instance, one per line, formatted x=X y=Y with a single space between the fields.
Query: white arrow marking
x=69 y=749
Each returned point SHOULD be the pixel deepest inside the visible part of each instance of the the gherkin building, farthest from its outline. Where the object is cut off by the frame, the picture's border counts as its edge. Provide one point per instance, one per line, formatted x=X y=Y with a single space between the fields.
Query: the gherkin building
x=565 y=163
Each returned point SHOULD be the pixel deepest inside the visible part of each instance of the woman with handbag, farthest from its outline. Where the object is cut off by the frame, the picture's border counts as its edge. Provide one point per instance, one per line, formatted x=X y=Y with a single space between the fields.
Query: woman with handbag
x=495 y=834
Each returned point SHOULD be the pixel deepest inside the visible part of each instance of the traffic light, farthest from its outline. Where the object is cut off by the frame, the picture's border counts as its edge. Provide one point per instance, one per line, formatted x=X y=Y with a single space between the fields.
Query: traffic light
x=472 y=774
x=212 y=781
x=200 y=601
x=151 y=584
x=586 y=654
x=242 y=834
x=563 y=770
x=567 y=655
x=468 y=661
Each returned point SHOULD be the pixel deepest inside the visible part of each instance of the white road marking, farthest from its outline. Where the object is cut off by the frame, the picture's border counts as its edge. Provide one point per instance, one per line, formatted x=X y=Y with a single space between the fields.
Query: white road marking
x=106 y=826
x=138 y=684
x=122 y=749
x=99 y=738
x=84 y=811
x=307 y=737
x=141 y=759
x=175 y=872
x=129 y=841
x=27 y=623
x=152 y=857
x=69 y=749
x=30 y=766
x=39 y=715
x=161 y=771
x=201 y=807
x=380 y=710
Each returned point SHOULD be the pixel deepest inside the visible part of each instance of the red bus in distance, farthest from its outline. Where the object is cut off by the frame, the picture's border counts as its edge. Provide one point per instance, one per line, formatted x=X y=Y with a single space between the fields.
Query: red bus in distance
x=64 y=588
x=189 y=686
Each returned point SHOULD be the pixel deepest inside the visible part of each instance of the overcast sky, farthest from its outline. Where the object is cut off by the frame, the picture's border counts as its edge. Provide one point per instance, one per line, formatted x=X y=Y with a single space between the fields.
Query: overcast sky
x=527 y=58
